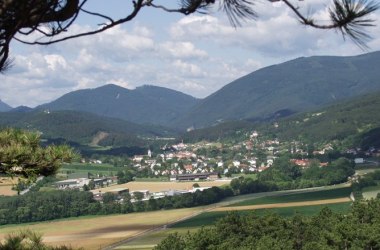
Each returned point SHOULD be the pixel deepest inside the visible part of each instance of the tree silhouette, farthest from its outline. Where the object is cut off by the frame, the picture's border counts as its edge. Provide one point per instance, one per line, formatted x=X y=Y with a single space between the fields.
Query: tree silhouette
x=51 y=18
x=22 y=155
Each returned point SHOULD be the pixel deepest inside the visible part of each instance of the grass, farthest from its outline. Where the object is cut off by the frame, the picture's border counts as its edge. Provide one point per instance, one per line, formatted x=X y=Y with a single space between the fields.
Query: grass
x=371 y=192
x=209 y=218
x=366 y=170
x=309 y=196
x=154 y=179
x=87 y=166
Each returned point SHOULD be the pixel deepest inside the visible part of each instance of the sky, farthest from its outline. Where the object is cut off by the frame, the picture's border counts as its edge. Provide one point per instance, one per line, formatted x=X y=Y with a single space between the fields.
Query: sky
x=196 y=54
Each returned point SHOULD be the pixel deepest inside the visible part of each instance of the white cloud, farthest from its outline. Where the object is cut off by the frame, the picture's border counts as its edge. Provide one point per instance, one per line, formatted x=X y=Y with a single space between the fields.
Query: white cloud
x=188 y=69
x=276 y=33
x=55 y=62
x=194 y=54
x=185 y=50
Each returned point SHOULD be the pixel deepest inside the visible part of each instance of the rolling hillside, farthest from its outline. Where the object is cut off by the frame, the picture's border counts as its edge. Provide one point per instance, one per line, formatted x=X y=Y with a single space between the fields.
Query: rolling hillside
x=356 y=121
x=143 y=105
x=83 y=128
x=295 y=86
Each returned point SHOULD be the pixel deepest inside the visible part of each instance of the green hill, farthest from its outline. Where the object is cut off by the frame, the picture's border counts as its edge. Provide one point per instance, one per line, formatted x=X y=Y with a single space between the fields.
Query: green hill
x=292 y=87
x=143 y=105
x=355 y=121
x=224 y=131
x=83 y=128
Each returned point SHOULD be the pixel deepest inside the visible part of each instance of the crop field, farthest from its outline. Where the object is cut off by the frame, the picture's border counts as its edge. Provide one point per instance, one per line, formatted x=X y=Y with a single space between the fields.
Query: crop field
x=94 y=232
x=6 y=185
x=284 y=204
x=300 y=197
x=371 y=192
x=209 y=218
x=161 y=186
x=98 y=231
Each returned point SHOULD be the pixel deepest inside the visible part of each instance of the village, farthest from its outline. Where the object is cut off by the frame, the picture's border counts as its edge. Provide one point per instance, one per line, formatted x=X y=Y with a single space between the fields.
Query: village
x=205 y=163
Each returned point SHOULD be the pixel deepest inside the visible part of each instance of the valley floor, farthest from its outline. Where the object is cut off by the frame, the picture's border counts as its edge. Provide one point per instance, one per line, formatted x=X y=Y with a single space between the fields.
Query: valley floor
x=119 y=231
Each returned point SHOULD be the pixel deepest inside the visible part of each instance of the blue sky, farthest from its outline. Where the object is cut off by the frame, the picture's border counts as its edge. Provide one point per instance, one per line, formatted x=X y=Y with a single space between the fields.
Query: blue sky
x=195 y=54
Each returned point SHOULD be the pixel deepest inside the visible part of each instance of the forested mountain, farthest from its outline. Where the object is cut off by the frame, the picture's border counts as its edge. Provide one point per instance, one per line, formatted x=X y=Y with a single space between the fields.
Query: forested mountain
x=144 y=105
x=21 y=109
x=4 y=107
x=84 y=128
x=299 y=85
x=355 y=121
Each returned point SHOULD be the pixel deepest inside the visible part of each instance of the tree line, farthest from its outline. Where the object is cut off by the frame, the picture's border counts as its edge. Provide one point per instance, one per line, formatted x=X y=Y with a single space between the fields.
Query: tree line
x=42 y=206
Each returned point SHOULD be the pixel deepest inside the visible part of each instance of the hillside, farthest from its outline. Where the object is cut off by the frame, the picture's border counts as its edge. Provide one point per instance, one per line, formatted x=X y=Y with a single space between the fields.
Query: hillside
x=143 y=105
x=226 y=130
x=354 y=121
x=83 y=128
x=295 y=86
x=4 y=107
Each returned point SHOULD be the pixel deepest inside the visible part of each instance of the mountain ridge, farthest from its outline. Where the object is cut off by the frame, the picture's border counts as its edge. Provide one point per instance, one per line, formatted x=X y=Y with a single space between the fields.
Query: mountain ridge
x=145 y=105
x=83 y=128
x=4 y=107
x=296 y=86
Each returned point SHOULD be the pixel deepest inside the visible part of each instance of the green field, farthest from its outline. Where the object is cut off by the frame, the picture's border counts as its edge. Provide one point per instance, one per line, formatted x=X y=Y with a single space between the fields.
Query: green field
x=89 y=168
x=154 y=179
x=307 y=196
x=371 y=192
x=366 y=170
x=209 y=218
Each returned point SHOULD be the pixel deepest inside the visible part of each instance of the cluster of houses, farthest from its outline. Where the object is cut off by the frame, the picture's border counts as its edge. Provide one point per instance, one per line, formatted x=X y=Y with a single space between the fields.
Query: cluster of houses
x=182 y=159
x=186 y=162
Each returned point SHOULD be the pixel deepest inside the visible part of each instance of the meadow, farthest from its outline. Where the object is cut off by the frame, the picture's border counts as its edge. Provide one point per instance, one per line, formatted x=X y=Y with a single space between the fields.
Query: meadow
x=371 y=192
x=88 y=168
x=300 y=197
x=209 y=218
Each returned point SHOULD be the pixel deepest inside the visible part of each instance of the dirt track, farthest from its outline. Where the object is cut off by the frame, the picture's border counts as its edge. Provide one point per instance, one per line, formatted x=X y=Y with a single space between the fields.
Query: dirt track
x=278 y=205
